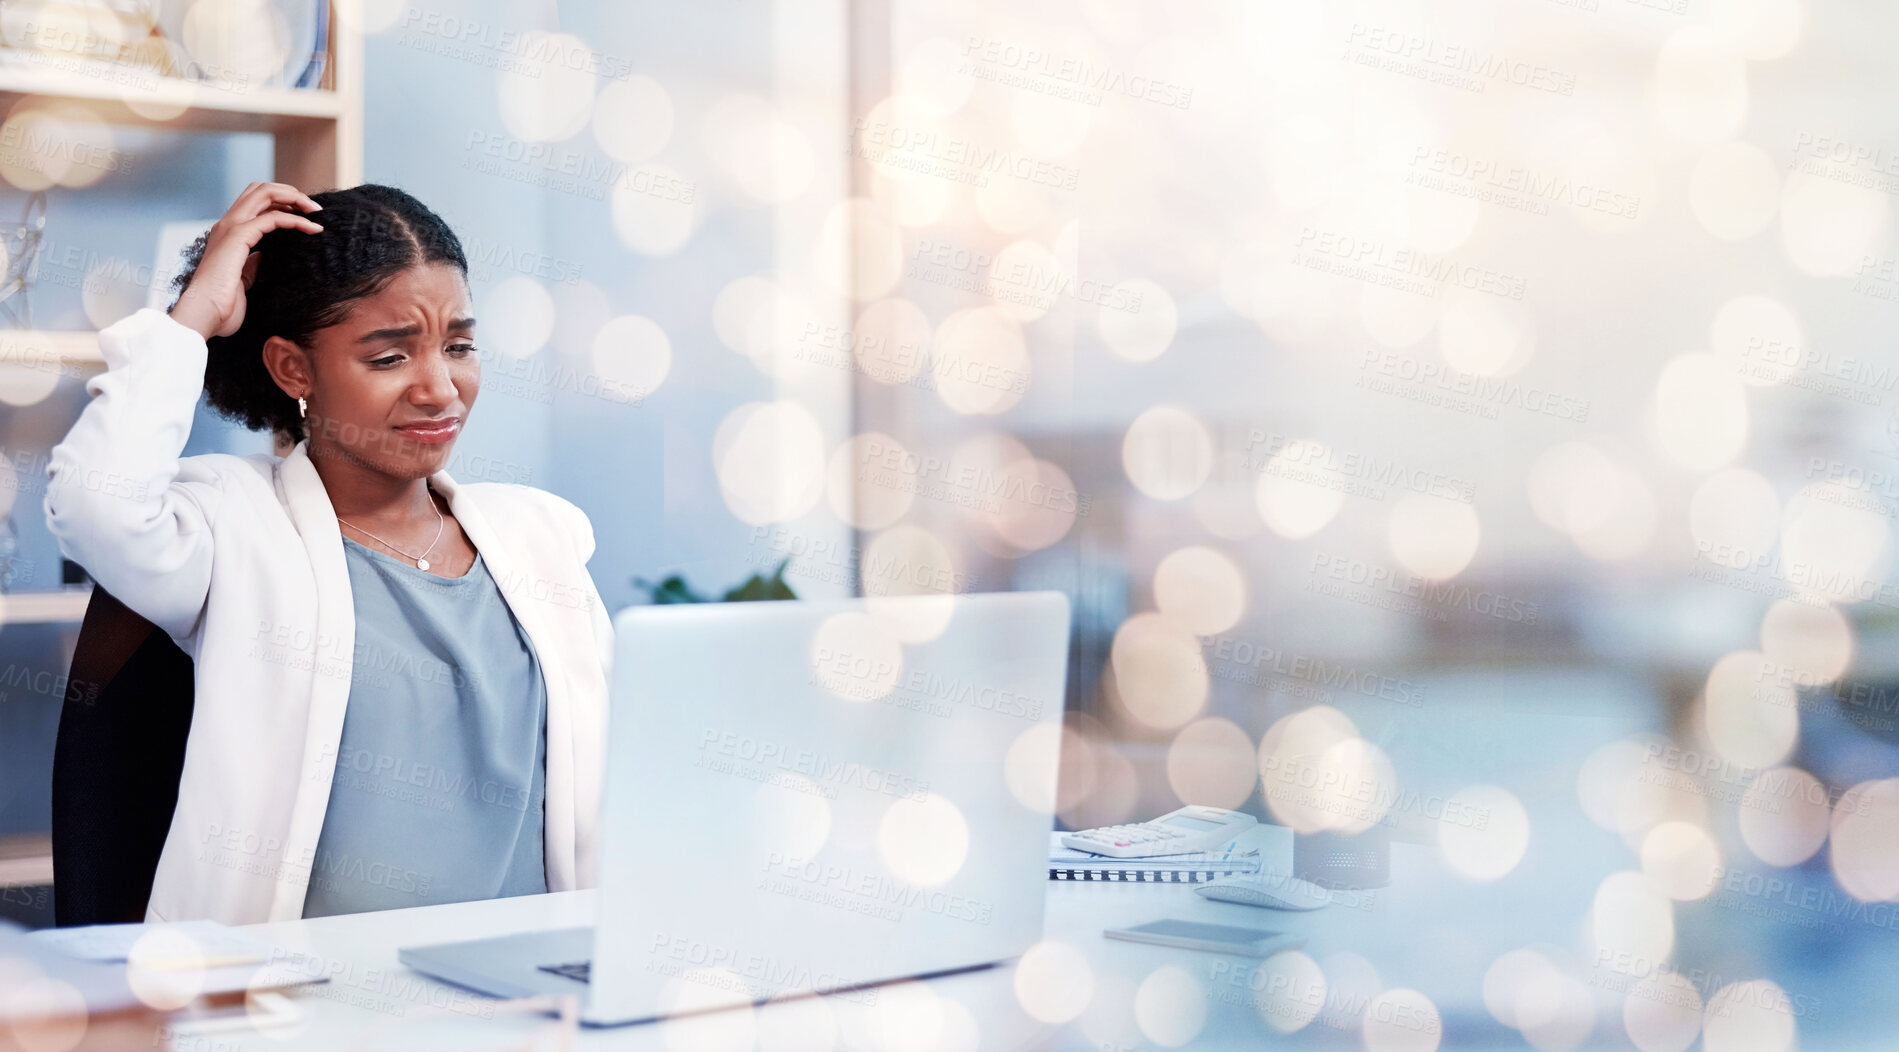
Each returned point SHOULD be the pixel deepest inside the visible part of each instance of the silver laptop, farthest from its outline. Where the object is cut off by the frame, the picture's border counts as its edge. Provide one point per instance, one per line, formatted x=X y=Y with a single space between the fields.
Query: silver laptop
x=807 y=797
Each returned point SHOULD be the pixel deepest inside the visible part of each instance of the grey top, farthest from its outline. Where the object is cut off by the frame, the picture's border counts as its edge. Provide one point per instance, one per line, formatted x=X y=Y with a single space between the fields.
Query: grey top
x=441 y=774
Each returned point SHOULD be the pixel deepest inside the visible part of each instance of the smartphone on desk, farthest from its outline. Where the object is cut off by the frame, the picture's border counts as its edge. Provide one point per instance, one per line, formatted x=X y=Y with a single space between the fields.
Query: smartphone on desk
x=1214 y=938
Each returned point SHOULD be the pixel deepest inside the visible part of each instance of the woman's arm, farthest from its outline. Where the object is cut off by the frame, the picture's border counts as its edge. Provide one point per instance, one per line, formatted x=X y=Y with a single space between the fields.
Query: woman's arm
x=118 y=499
x=115 y=500
x=581 y=528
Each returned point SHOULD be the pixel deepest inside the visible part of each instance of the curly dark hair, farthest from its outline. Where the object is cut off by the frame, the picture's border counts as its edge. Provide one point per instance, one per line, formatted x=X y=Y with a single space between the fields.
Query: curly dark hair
x=305 y=282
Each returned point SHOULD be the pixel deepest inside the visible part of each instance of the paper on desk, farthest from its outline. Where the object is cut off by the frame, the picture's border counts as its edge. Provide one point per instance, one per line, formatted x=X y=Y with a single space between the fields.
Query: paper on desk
x=1234 y=855
x=102 y=989
x=225 y=959
x=209 y=944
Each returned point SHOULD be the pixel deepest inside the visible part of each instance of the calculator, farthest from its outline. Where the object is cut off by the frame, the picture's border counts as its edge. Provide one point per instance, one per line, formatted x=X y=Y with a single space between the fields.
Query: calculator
x=1192 y=828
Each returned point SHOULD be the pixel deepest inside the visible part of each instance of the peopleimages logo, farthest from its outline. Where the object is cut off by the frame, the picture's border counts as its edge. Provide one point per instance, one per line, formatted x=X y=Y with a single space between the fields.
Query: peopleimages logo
x=876 y=887
x=927 y=152
x=1307 y=460
x=731 y=745
x=1406 y=377
x=1372 y=578
x=1451 y=63
x=1241 y=653
x=1398 y=266
x=1513 y=185
x=1065 y=76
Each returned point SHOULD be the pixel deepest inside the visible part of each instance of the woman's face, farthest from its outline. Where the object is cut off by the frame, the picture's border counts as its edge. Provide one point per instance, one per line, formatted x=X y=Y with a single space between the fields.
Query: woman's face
x=393 y=382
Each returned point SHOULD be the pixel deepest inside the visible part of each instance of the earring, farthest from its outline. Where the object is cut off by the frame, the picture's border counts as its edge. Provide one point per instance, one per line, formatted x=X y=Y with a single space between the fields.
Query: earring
x=303 y=409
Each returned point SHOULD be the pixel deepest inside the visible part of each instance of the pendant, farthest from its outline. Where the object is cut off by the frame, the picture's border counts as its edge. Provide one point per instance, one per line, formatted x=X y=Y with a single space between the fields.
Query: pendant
x=421 y=564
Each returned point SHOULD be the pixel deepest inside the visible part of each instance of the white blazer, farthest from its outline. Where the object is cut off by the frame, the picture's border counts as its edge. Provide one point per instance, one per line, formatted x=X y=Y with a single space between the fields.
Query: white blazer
x=240 y=560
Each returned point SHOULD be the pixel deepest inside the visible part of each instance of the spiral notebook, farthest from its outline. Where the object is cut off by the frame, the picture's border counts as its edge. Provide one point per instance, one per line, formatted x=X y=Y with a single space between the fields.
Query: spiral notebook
x=1066 y=863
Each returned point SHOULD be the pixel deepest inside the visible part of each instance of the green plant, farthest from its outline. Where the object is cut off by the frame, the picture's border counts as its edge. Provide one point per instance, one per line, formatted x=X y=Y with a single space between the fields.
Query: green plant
x=756 y=588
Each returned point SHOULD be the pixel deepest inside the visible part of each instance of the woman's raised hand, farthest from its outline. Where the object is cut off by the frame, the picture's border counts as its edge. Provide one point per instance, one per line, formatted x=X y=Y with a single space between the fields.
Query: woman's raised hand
x=213 y=303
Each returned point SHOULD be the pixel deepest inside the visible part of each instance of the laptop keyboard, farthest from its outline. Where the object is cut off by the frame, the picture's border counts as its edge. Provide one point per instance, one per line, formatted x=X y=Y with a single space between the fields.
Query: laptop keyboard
x=579 y=971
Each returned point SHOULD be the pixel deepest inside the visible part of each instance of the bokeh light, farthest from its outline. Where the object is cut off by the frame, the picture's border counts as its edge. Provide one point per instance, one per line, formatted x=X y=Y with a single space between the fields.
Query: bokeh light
x=686 y=1023
x=1167 y=453
x=1200 y=589
x=753 y=316
x=859 y=249
x=1829 y=228
x=517 y=316
x=1482 y=337
x=1700 y=86
x=1137 y=320
x=56 y=143
x=791 y=817
x=1734 y=190
x=933 y=76
x=891 y=340
x=1761 y=30
x=1170 y=1006
x=1401 y=1020
x=1053 y=981
x=908 y=1017
x=1555 y=1011
x=165 y=967
x=1758 y=337
x=1632 y=916
x=1211 y=763
x=1433 y=537
x=1734 y=516
x=633 y=355
x=856 y=657
x=1662 y=1013
x=923 y=841
x=1865 y=840
x=1159 y=672
x=1031 y=767
x=980 y=362
x=871 y=481
x=1603 y=776
x=1751 y=1016
x=770 y=460
x=236 y=42
x=41 y=1013
x=1810 y=643
x=910 y=580
x=1318 y=775
x=1700 y=412
x=1834 y=543
x=1752 y=717
x=632 y=118
x=1682 y=860
x=544 y=97
x=757 y=149
x=1507 y=977
x=654 y=209
x=1036 y=505
x=1784 y=816
x=1297 y=500
x=1491 y=850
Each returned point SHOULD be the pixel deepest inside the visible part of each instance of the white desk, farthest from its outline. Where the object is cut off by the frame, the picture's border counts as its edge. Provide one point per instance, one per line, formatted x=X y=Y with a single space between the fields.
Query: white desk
x=968 y=1011
x=1419 y=934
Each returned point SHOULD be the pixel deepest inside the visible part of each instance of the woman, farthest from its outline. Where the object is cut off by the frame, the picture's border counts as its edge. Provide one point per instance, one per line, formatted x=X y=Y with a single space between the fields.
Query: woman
x=400 y=680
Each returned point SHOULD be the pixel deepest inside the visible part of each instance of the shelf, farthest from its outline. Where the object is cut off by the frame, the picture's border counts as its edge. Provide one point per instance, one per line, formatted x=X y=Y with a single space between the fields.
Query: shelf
x=26 y=861
x=50 y=348
x=44 y=608
x=199 y=105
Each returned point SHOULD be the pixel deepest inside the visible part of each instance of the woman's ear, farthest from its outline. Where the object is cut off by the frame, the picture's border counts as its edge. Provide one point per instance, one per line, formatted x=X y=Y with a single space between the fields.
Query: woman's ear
x=289 y=366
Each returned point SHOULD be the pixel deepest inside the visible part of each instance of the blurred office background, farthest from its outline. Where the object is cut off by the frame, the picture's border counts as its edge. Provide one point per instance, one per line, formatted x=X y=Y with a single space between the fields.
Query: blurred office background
x=1463 y=426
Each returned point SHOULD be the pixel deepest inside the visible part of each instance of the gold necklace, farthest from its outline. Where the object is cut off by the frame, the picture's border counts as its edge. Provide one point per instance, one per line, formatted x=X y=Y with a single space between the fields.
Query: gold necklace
x=421 y=562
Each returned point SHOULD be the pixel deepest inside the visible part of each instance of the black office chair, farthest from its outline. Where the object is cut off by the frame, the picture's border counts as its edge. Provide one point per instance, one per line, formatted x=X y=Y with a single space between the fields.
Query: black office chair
x=116 y=764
